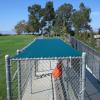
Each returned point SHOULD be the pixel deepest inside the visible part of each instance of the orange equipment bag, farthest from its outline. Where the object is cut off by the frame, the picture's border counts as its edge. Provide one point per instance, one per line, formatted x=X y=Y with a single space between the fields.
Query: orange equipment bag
x=57 y=71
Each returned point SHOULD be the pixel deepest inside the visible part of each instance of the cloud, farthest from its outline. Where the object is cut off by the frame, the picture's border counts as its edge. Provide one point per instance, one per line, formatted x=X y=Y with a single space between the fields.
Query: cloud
x=95 y=13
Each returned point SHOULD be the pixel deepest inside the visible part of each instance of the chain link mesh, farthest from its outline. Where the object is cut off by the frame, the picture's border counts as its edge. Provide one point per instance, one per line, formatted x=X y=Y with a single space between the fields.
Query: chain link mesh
x=36 y=80
x=92 y=58
x=14 y=80
x=71 y=76
x=41 y=81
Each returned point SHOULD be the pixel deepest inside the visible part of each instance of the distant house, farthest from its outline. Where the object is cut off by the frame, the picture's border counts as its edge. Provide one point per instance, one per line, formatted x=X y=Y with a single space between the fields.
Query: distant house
x=97 y=38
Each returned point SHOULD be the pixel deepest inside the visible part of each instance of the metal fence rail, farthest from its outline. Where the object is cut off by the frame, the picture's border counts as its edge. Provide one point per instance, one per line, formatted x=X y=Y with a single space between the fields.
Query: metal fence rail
x=92 y=58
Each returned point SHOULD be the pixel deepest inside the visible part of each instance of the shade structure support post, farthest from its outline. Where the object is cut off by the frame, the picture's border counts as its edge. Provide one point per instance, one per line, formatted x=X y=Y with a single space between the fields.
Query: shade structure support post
x=19 y=78
x=8 y=77
x=83 y=75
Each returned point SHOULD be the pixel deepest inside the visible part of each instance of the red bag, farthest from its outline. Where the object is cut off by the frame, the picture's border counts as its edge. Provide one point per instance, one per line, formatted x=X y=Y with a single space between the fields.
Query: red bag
x=57 y=71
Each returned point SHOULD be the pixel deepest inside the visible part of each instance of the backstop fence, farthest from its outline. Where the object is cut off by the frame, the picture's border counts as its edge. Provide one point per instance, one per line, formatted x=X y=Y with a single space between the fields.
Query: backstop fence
x=28 y=73
x=92 y=58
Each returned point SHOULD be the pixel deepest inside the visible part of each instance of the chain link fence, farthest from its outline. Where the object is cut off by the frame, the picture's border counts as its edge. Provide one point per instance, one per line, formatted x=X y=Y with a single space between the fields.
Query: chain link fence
x=26 y=78
x=70 y=86
x=40 y=85
x=11 y=78
x=14 y=80
x=92 y=58
x=32 y=79
x=17 y=77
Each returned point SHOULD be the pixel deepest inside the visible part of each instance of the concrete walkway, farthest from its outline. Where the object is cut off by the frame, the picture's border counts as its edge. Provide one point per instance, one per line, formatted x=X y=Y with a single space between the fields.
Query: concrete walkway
x=41 y=90
x=42 y=87
x=92 y=87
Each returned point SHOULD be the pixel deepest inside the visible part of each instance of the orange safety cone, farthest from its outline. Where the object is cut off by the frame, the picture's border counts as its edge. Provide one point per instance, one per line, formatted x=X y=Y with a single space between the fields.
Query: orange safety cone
x=57 y=71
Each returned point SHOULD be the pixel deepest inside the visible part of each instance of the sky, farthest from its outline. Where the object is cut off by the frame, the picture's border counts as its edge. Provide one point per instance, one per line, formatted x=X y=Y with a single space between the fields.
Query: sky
x=13 y=11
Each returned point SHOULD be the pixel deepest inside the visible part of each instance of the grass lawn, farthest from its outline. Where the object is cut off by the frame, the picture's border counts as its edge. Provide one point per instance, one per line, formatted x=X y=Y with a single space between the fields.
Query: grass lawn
x=9 y=45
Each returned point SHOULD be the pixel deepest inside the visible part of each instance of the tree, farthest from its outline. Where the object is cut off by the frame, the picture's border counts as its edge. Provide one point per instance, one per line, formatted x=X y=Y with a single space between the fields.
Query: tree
x=99 y=31
x=40 y=17
x=1 y=34
x=34 y=17
x=63 y=17
x=49 y=13
x=77 y=21
x=81 y=19
x=20 y=27
x=29 y=28
x=56 y=30
x=35 y=10
x=34 y=23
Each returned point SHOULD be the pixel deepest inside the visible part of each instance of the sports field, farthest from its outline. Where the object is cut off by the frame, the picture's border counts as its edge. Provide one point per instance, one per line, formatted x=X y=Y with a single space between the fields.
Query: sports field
x=9 y=45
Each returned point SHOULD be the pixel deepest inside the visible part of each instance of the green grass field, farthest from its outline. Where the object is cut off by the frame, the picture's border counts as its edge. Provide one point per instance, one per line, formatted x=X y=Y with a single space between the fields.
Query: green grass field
x=9 y=45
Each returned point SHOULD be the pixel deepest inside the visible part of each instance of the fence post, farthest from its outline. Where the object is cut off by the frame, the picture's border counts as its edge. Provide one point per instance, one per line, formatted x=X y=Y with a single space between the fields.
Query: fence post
x=8 y=77
x=83 y=74
x=99 y=70
x=19 y=78
x=31 y=77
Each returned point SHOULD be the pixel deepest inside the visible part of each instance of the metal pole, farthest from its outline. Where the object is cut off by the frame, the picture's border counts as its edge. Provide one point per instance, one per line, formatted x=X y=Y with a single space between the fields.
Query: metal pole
x=35 y=68
x=83 y=74
x=19 y=77
x=50 y=65
x=52 y=87
x=99 y=71
x=8 y=77
x=31 y=76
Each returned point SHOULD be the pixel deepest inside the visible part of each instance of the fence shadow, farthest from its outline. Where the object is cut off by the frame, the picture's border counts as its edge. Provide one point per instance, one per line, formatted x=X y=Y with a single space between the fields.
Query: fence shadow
x=92 y=87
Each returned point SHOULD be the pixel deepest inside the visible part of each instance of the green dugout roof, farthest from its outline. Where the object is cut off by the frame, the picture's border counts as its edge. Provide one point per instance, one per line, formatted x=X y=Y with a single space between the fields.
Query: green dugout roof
x=47 y=49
